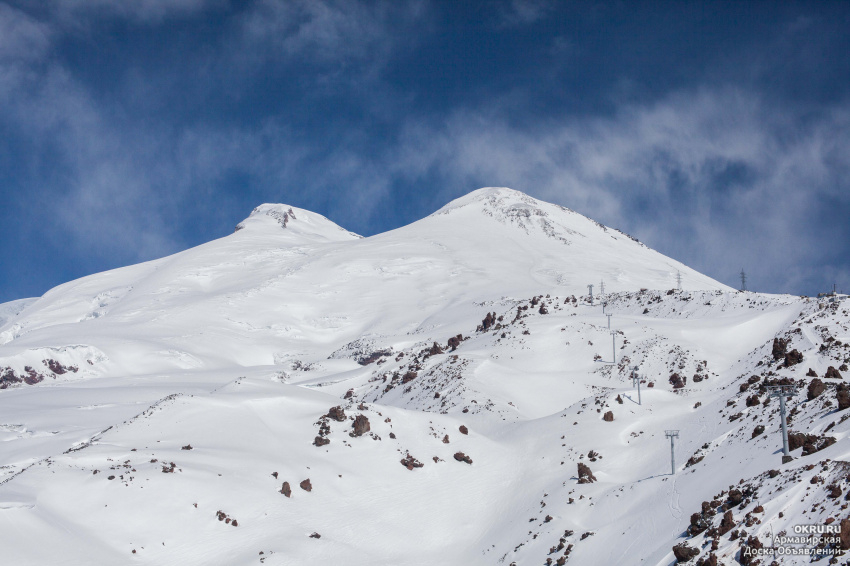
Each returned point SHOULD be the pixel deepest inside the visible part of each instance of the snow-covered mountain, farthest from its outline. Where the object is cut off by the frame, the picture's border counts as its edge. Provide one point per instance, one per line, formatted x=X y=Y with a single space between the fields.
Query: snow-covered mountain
x=148 y=410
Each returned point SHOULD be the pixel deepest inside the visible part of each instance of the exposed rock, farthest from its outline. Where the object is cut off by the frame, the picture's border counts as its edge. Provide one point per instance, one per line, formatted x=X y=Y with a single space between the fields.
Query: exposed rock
x=793 y=358
x=58 y=368
x=306 y=485
x=810 y=443
x=832 y=373
x=811 y=373
x=698 y=524
x=446 y=439
x=32 y=377
x=408 y=377
x=187 y=447
x=752 y=400
x=608 y=416
x=285 y=489
x=759 y=429
x=584 y=474
x=488 y=321
x=461 y=457
x=321 y=441
x=779 y=348
x=754 y=543
x=374 y=357
x=336 y=413
x=676 y=381
x=816 y=387
x=455 y=341
x=463 y=429
x=726 y=524
x=435 y=349
x=735 y=497
x=315 y=535
x=843 y=397
x=360 y=425
x=619 y=400
x=410 y=462
x=683 y=552
x=795 y=440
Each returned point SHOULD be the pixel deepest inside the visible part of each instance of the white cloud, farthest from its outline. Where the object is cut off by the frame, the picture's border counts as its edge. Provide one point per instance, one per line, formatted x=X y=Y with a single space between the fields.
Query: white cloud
x=329 y=31
x=22 y=38
x=714 y=178
x=145 y=11
x=522 y=12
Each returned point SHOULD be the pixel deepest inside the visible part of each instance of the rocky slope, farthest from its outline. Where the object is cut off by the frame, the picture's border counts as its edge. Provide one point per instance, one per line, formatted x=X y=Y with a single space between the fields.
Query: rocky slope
x=447 y=392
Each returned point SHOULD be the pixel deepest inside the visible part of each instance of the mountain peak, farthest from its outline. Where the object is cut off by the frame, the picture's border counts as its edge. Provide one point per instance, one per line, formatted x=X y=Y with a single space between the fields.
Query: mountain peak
x=283 y=219
x=494 y=198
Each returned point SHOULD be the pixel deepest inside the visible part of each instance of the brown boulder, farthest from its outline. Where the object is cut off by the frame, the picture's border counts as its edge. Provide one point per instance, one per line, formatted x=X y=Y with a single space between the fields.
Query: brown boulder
x=735 y=497
x=461 y=457
x=306 y=485
x=683 y=552
x=584 y=474
x=410 y=462
x=676 y=381
x=336 y=413
x=360 y=425
x=832 y=373
x=320 y=441
x=463 y=429
x=408 y=377
x=816 y=387
x=726 y=524
x=608 y=416
x=285 y=489
x=793 y=358
x=779 y=348
x=843 y=398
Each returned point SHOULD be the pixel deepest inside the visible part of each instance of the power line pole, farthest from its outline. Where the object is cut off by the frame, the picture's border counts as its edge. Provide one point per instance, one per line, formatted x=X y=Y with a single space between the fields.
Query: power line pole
x=679 y=280
x=743 y=280
x=602 y=287
x=782 y=391
x=590 y=290
x=672 y=435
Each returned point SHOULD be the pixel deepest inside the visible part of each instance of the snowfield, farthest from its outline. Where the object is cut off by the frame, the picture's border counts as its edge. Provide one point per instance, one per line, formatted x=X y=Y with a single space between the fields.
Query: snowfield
x=438 y=385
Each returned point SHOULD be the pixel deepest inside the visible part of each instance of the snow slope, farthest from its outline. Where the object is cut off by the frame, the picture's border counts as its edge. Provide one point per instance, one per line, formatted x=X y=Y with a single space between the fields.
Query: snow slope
x=202 y=381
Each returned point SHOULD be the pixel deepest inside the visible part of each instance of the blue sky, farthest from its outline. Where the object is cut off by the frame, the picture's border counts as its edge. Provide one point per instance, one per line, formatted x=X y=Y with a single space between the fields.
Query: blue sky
x=717 y=133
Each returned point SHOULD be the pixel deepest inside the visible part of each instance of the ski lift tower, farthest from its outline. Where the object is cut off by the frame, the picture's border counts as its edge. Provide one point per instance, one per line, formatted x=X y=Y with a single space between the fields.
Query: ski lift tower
x=590 y=291
x=782 y=391
x=672 y=435
x=636 y=381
